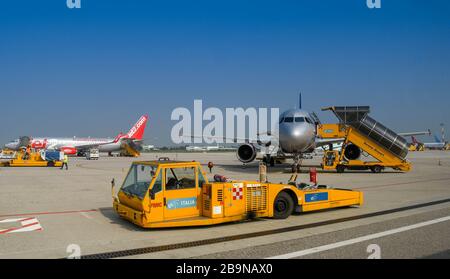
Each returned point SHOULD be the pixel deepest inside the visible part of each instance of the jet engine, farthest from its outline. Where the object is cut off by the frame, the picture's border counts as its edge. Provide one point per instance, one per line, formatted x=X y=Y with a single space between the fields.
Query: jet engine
x=69 y=150
x=246 y=153
x=352 y=152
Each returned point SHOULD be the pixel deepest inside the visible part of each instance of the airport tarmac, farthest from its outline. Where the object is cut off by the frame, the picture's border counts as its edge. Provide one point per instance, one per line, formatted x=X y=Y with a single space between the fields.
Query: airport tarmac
x=64 y=208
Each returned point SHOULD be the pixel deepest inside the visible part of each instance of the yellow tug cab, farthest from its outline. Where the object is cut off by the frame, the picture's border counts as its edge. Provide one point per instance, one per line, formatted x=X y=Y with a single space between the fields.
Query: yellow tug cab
x=162 y=194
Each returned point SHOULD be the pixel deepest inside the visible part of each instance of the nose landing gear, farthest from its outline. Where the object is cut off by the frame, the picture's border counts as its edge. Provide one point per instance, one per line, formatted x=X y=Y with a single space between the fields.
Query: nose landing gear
x=269 y=160
x=296 y=167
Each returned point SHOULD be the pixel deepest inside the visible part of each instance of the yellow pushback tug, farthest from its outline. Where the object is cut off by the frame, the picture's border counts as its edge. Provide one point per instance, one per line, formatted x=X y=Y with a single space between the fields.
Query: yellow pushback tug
x=163 y=194
x=34 y=158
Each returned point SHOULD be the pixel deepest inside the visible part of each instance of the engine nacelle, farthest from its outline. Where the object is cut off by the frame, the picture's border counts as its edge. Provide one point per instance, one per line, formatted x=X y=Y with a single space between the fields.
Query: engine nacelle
x=68 y=150
x=246 y=153
x=352 y=152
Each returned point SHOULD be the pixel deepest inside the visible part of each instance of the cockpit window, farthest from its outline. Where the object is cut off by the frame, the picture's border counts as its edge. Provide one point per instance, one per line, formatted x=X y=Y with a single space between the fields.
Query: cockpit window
x=299 y=119
x=289 y=119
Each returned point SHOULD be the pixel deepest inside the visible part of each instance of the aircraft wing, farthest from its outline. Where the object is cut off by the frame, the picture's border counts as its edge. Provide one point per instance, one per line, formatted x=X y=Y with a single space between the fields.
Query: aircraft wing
x=233 y=140
x=322 y=142
x=91 y=145
x=415 y=133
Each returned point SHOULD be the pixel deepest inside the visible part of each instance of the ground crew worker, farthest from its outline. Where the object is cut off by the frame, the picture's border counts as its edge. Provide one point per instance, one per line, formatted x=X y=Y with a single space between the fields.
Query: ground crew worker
x=65 y=162
x=27 y=153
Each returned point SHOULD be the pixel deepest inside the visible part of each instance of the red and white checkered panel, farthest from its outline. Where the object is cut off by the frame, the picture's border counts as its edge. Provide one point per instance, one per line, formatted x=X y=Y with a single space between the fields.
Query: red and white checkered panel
x=238 y=193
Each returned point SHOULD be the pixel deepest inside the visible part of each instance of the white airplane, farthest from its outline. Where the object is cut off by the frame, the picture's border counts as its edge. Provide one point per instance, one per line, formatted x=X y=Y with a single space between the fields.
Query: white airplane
x=438 y=144
x=297 y=139
x=78 y=146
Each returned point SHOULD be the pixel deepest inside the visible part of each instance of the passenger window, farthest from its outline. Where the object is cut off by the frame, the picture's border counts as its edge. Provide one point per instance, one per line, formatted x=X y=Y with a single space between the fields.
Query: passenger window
x=180 y=178
x=299 y=119
x=289 y=119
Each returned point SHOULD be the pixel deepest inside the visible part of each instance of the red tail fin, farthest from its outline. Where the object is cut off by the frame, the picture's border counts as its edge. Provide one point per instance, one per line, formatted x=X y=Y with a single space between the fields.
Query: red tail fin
x=137 y=131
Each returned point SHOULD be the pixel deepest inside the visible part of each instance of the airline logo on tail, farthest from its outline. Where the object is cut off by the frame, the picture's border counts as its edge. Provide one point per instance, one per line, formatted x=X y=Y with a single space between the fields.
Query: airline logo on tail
x=136 y=132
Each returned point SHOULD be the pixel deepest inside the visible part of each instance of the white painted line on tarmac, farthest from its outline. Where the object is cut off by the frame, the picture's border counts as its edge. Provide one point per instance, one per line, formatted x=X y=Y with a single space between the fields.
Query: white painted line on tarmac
x=359 y=239
x=26 y=225
x=86 y=215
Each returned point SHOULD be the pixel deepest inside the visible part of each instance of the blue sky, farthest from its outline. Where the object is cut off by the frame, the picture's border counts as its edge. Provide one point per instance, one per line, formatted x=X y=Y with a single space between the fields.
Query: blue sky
x=93 y=71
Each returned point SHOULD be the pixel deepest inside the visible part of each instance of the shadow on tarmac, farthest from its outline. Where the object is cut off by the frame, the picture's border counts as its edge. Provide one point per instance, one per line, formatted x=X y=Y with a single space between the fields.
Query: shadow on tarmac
x=109 y=213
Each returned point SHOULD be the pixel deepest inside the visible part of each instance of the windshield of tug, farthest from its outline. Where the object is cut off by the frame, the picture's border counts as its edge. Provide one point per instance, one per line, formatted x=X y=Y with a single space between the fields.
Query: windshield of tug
x=138 y=180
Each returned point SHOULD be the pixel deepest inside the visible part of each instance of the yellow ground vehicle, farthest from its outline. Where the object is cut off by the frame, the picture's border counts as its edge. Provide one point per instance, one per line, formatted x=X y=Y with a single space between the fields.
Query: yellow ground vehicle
x=362 y=135
x=129 y=149
x=34 y=159
x=161 y=194
x=416 y=147
x=7 y=152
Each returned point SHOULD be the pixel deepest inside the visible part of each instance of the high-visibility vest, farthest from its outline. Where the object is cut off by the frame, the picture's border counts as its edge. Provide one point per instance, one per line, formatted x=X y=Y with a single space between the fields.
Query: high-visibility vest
x=66 y=158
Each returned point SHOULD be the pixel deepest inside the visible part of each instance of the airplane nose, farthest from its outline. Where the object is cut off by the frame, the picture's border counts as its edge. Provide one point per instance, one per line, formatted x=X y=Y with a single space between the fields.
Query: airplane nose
x=295 y=139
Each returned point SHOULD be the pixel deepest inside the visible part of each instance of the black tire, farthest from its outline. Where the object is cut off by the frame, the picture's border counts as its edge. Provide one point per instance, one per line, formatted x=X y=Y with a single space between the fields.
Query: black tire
x=50 y=164
x=376 y=169
x=283 y=206
x=340 y=169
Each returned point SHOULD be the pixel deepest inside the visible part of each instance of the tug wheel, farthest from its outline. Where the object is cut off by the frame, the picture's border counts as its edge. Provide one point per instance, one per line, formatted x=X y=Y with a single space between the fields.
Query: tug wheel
x=283 y=206
x=340 y=169
x=376 y=169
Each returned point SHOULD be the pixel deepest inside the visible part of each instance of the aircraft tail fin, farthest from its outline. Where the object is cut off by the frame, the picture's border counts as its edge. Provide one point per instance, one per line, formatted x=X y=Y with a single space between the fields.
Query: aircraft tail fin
x=436 y=138
x=300 y=100
x=138 y=130
x=414 y=140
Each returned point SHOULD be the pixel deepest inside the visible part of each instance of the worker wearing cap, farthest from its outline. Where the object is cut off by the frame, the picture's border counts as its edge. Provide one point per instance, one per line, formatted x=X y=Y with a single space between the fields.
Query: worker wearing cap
x=65 y=162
